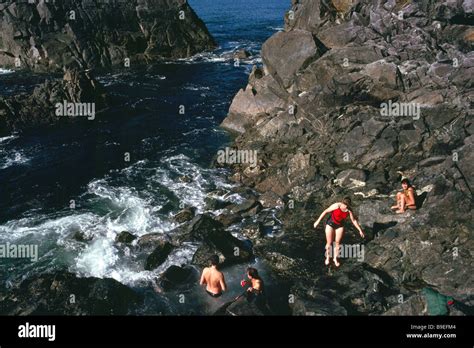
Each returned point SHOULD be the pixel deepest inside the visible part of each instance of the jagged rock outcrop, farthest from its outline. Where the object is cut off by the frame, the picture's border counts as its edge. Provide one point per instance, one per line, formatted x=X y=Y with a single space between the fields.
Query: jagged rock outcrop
x=47 y=36
x=213 y=239
x=324 y=124
x=76 y=36
x=45 y=106
x=63 y=293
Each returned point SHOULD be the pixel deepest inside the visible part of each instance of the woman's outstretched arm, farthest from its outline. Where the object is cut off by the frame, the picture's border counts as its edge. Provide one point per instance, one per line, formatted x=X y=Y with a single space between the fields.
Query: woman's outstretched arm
x=328 y=210
x=356 y=224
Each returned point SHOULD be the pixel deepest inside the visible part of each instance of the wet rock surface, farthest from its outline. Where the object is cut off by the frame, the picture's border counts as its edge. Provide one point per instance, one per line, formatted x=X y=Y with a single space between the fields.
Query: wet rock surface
x=63 y=293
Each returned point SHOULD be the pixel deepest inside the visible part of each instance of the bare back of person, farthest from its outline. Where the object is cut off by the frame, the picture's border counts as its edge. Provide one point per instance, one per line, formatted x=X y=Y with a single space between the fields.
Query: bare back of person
x=214 y=280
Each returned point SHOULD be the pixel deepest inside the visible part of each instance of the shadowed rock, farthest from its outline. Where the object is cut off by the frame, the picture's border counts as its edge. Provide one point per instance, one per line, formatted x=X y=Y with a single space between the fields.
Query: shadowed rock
x=64 y=293
x=47 y=36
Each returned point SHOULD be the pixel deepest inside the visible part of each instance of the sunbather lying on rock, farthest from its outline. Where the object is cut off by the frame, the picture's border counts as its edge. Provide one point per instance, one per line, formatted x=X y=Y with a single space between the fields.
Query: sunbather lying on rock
x=334 y=226
x=405 y=199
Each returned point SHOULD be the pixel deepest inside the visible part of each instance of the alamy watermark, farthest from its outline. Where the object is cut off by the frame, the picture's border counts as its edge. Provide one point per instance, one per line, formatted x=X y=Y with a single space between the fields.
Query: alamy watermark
x=348 y=251
x=76 y=109
x=396 y=109
x=19 y=251
x=231 y=156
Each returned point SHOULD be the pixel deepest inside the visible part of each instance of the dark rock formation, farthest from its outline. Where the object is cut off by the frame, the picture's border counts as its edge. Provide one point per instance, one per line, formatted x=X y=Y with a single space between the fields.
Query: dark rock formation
x=213 y=239
x=243 y=307
x=79 y=35
x=50 y=35
x=315 y=114
x=184 y=215
x=150 y=241
x=125 y=237
x=24 y=112
x=63 y=293
x=175 y=277
x=158 y=256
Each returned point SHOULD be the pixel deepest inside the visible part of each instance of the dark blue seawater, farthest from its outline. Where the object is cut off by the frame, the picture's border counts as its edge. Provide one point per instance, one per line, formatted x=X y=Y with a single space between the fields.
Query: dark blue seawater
x=56 y=183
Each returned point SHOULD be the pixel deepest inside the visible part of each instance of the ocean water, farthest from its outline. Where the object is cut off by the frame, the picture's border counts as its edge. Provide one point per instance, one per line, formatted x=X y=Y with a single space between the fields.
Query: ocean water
x=59 y=182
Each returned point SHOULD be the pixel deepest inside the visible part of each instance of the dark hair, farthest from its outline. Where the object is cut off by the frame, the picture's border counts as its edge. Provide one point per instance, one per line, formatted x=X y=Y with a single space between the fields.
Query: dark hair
x=214 y=260
x=347 y=201
x=253 y=273
x=406 y=181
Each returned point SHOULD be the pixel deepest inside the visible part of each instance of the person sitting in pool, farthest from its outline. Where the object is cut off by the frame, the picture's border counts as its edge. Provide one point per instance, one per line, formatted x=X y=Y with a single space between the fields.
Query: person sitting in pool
x=335 y=228
x=255 y=283
x=256 y=289
x=405 y=199
x=213 y=278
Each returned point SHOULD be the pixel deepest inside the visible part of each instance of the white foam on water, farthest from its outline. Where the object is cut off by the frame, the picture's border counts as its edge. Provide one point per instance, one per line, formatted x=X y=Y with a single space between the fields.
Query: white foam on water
x=132 y=213
x=101 y=259
x=190 y=192
x=97 y=259
x=13 y=158
x=5 y=71
x=45 y=225
x=8 y=139
x=107 y=208
x=193 y=87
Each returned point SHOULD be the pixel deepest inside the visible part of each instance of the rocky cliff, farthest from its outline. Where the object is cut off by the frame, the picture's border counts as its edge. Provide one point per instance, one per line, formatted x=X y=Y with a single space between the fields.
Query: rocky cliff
x=352 y=96
x=48 y=35
x=75 y=36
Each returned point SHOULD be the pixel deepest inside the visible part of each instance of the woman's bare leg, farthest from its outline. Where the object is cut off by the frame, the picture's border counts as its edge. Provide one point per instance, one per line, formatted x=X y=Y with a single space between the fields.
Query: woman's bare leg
x=339 y=235
x=396 y=207
x=402 y=204
x=329 y=240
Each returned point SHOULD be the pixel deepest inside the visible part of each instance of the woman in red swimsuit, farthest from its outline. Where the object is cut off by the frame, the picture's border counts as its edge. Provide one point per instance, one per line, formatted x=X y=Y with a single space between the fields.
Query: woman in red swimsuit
x=335 y=228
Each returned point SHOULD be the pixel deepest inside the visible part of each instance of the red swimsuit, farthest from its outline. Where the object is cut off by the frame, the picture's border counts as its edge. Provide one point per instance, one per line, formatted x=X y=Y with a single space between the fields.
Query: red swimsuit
x=338 y=216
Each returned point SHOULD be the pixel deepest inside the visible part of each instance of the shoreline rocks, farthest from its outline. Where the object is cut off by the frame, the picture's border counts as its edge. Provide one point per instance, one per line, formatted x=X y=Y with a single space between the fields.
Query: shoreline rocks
x=48 y=36
x=64 y=293
x=315 y=117
x=77 y=36
x=39 y=110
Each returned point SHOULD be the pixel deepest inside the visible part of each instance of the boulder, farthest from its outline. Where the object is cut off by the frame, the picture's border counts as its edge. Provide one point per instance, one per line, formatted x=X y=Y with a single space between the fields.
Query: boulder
x=254 y=231
x=319 y=305
x=81 y=236
x=246 y=205
x=259 y=99
x=175 y=277
x=158 y=256
x=351 y=178
x=270 y=199
x=243 y=307
x=32 y=111
x=150 y=241
x=215 y=240
x=125 y=237
x=285 y=53
x=228 y=219
x=184 y=215
x=50 y=294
